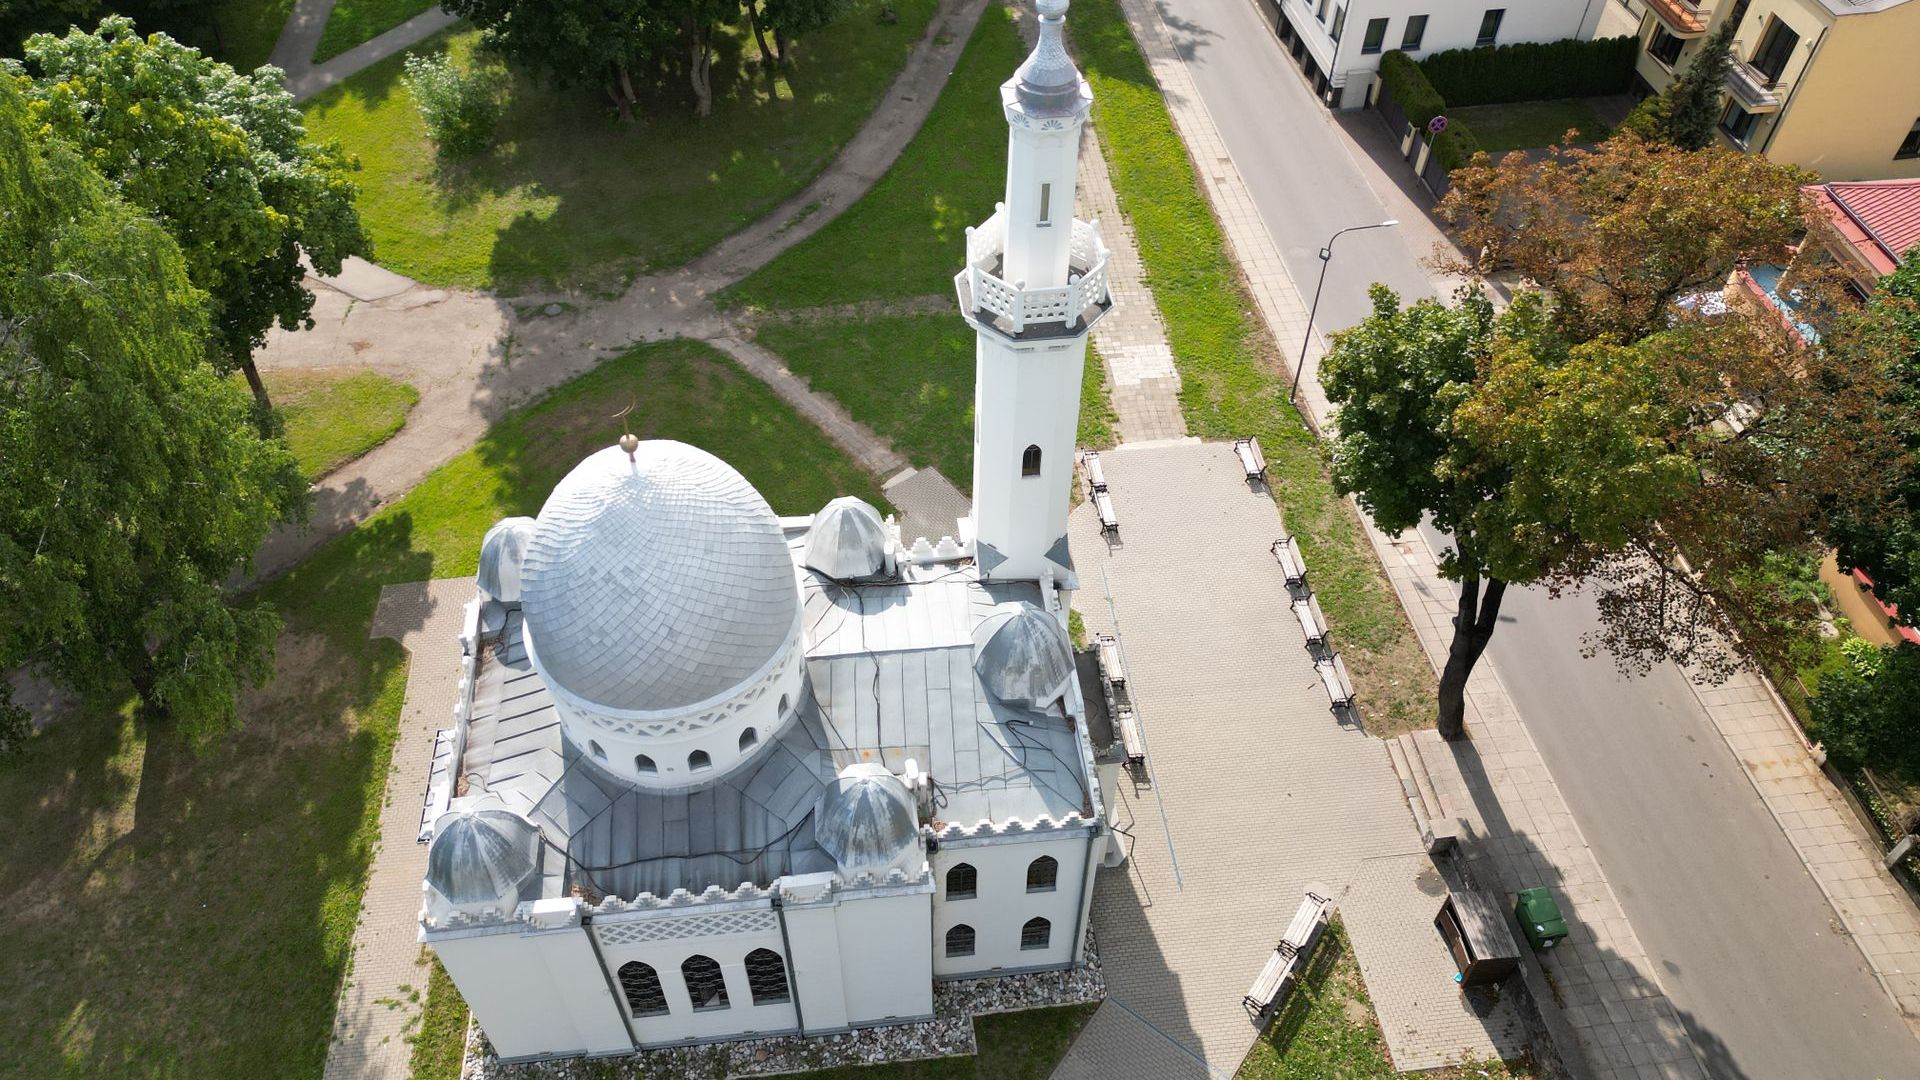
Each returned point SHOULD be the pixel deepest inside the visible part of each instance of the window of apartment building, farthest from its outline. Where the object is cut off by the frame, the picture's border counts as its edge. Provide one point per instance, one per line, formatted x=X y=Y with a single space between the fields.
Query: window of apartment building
x=1909 y=146
x=1776 y=48
x=1664 y=47
x=1415 y=31
x=1320 y=13
x=1376 y=36
x=1739 y=12
x=1490 y=26
x=1737 y=123
x=1339 y=23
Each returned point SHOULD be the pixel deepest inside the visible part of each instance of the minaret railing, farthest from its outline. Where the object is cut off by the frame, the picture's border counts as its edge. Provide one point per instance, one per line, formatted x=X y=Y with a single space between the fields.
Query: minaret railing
x=1086 y=276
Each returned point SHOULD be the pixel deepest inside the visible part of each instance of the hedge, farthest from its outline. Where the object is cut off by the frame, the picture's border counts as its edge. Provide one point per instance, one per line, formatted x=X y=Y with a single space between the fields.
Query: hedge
x=1529 y=71
x=1410 y=88
x=1455 y=146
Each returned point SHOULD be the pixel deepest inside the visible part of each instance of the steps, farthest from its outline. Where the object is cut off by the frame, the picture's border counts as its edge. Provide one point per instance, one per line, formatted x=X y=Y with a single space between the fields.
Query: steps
x=1439 y=829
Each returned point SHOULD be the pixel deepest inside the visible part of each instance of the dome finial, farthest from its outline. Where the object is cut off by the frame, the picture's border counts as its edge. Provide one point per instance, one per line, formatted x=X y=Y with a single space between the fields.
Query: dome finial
x=628 y=441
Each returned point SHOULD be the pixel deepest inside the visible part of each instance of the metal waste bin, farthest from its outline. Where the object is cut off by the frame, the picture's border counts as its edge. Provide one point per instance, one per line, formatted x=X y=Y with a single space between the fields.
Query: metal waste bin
x=1540 y=918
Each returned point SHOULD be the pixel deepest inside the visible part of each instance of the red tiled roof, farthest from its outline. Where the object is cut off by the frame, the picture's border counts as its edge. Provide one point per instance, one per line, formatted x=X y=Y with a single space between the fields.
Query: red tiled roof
x=1880 y=218
x=1682 y=16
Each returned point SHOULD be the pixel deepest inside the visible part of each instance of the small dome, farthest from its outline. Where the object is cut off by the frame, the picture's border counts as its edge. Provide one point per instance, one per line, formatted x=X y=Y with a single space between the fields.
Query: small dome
x=482 y=856
x=501 y=553
x=656 y=582
x=848 y=541
x=866 y=820
x=1048 y=84
x=1023 y=656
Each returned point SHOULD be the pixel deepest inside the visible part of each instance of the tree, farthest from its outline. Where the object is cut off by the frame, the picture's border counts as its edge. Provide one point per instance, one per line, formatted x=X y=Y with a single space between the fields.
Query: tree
x=790 y=19
x=1618 y=234
x=1865 y=714
x=1886 y=544
x=460 y=108
x=1686 y=113
x=219 y=158
x=1533 y=454
x=131 y=484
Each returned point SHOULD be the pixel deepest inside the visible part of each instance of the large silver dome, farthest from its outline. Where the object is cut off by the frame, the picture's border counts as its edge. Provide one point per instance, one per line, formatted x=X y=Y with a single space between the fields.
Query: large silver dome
x=1023 y=656
x=866 y=820
x=482 y=856
x=656 y=583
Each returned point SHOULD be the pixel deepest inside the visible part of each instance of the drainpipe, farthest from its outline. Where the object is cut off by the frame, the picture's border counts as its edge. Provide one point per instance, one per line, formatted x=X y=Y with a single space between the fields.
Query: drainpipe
x=1781 y=116
x=586 y=927
x=793 y=976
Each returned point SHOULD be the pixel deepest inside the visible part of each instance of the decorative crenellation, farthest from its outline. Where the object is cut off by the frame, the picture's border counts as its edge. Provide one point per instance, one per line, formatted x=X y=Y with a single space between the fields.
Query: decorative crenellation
x=983 y=828
x=680 y=898
x=642 y=930
x=948 y=549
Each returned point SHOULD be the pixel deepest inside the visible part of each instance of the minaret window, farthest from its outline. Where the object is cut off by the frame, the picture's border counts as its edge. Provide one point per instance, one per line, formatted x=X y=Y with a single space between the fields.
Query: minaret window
x=643 y=763
x=699 y=761
x=1046 y=204
x=1030 y=462
x=747 y=740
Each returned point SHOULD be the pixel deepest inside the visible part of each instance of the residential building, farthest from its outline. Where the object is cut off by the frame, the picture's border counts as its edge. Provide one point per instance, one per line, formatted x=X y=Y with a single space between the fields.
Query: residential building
x=719 y=774
x=1338 y=43
x=1829 y=85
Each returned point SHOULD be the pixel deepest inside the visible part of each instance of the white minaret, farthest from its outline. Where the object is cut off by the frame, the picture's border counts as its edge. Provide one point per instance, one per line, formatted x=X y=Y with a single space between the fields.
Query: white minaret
x=1034 y=284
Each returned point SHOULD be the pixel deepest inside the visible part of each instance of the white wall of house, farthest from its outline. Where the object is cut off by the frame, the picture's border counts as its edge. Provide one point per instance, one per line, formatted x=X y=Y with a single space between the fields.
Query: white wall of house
x=1002 y=905
x=1349 y=64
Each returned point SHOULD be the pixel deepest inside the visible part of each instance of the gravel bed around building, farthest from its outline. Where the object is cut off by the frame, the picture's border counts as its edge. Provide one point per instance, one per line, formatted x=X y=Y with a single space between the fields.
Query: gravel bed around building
x=948 y=1034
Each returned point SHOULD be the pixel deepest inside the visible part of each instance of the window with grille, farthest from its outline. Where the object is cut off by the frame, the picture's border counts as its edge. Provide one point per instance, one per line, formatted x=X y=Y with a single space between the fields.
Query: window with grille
x=641 y=984
x=1030 y=462
x=1042 y=874
x=1037 y=934
x=960 y=941
x=705 y=984
x=1415 y=32
x=767 y=977
x=962 y=882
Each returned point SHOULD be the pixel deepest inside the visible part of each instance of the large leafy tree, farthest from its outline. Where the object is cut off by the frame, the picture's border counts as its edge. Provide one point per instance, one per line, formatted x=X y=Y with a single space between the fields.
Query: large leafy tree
x=1886 y=544
x=131 y=483
x=221 y=159
x=1618 y=234
x=1686 y=113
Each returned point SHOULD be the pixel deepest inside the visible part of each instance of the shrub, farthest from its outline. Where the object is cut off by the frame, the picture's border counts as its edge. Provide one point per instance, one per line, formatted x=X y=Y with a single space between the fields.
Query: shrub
x=460 y=108
x=1455 y=146
x=1530 y=71
x=1872 y=717
x=1411 y=91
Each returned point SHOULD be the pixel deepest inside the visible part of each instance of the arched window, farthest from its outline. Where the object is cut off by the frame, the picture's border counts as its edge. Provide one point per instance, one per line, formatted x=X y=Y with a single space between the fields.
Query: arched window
x=1042 y=874
x=747 y=740
x=705 y=984
x=960 y=941
x=594 y=749
x=645 y=764
x=642 y=986
x=962 y=881
x=785 y=703
x=1036 y=934
x=767 y=977
x=699 y=761
x=1030 y=462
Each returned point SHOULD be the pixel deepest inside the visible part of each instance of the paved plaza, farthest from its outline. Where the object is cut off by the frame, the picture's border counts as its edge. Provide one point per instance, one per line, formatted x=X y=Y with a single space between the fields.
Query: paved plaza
x=1253 y=789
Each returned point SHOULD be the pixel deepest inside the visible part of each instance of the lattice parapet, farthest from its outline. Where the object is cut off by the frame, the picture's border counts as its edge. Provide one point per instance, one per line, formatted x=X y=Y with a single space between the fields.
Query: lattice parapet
x=639 y=931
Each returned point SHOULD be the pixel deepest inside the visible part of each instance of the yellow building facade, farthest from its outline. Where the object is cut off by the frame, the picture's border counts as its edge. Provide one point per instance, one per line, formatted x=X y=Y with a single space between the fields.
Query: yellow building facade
x=1829 y=85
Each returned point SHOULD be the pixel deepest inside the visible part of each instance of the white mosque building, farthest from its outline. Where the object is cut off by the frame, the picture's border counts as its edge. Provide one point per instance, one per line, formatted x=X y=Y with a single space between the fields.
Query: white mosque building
x=720 y=774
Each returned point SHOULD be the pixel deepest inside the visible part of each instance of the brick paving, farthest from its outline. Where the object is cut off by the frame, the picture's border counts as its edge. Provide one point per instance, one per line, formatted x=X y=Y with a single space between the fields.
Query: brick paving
x=380 y=1004
x=1255 y=790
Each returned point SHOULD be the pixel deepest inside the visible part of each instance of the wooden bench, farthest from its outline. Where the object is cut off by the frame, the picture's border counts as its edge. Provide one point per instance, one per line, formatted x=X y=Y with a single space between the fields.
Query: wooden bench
x=1333 y=676
x=1103 y=506
x=1096 y=476
x=1111 y=669
x=1130 y=737
x=1312 y=622
x=1251 y=459
x=1293 y=566
x=1283 y=967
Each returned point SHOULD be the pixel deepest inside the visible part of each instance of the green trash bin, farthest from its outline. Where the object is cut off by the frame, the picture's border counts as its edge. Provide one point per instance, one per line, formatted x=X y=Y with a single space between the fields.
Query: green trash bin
x=1540 y=918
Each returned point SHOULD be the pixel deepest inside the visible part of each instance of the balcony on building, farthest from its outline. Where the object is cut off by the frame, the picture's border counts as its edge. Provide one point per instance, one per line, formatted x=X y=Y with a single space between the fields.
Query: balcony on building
x=1682 y=18
x=1753 y=89
x=1011 y=308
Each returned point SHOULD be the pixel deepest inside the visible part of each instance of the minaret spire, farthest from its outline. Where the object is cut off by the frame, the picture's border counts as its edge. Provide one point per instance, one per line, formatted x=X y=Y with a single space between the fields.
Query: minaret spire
x=1034 y=284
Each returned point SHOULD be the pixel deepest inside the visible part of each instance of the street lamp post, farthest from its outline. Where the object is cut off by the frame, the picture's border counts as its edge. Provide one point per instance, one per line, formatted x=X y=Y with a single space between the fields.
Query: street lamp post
x=1326 y=256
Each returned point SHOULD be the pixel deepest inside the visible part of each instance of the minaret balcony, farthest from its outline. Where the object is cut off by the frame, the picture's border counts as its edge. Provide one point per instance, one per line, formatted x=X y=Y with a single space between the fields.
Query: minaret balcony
x=1013 y=309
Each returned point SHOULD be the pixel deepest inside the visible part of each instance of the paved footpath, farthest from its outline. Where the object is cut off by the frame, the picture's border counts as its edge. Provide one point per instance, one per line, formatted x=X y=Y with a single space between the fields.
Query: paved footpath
x=1519 y=824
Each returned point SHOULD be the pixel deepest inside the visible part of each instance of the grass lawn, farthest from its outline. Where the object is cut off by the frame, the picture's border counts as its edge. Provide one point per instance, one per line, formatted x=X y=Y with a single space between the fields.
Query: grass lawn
x=355 y=21
x=907 y=236
x=440 y=1042
x=1529 y=125
x=175 y=914
x=570 y=197
x=1327 y=1030
x=334 y=415
x=1232 y=380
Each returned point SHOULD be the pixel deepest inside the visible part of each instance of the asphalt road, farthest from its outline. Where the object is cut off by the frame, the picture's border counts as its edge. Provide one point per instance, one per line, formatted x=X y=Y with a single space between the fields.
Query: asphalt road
x=1745 y=942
